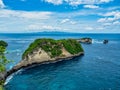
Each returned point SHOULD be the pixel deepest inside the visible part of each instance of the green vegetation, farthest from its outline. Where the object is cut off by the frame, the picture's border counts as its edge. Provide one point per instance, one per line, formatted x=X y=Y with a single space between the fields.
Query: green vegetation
x=3 y=60
x=1 y=87
x=72 y=46
x=3 y=43
x=54 y=47
x=1 y=84
x=49 y=45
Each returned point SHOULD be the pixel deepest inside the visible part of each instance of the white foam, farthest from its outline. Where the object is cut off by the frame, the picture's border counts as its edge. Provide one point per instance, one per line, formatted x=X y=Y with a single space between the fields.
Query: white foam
x=23 y=41
x=97 y=41
x=16 y=50
x=11 y=76
x=8 y=79
x=18 y=54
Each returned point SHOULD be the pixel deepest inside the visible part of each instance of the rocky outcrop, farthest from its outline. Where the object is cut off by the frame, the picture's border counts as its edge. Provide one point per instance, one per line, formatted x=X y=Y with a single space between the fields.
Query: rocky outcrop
x=105 y=41
x=85 y=40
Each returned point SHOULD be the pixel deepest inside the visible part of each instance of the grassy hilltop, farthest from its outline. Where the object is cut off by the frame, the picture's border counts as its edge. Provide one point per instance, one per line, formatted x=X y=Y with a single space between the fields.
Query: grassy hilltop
x=54 y=47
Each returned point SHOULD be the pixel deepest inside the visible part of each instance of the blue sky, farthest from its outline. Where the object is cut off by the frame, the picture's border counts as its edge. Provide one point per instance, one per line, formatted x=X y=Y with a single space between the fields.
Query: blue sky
x=82 y=16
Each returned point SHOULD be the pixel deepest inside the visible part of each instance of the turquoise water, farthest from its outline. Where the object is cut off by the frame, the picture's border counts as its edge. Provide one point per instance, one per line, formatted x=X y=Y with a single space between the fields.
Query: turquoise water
x=98 y=69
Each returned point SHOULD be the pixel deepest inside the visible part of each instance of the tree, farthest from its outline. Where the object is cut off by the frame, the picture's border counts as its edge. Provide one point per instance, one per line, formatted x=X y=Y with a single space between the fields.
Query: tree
x=3 y=43
x=3 y=60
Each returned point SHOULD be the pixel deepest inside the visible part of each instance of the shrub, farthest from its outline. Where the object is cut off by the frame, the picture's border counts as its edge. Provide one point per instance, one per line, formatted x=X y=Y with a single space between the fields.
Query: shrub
x=72 y=46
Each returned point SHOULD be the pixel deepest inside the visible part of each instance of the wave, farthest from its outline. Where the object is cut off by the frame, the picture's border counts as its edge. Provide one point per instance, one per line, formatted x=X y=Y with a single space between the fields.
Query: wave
x=99 y=57
x=101 y=41
x=23 y=41
x=97 y=41
x=11 y=77
x=8 y=79
x=13 y=51
x=14 y=39
x=11 y=40
x=114 y=42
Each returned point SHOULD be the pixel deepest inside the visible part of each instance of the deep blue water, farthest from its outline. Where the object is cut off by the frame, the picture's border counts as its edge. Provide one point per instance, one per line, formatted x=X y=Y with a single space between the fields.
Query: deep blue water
x=98 y=69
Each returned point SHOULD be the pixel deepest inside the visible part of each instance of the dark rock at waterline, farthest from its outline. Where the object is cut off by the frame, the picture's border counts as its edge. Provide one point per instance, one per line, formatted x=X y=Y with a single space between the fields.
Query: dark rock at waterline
x=105 y=41
x=85 y=40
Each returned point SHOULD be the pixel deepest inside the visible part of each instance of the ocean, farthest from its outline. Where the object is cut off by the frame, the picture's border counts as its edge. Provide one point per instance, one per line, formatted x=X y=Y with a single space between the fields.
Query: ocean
x=98 y=69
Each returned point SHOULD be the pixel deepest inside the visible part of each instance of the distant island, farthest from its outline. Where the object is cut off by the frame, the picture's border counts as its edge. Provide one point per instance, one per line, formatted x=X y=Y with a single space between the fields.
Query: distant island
x=47 y=51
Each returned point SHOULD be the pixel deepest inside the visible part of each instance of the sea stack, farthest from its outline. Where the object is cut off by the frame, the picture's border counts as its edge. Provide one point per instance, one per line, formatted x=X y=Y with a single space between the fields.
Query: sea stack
x=105 y=41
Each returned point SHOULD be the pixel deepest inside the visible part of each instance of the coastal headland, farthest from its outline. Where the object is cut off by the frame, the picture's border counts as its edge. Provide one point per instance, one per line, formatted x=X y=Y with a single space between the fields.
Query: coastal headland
x=46 y=51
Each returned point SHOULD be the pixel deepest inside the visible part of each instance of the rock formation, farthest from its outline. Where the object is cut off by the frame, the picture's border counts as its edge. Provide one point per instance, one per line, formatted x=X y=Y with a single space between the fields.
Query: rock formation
x=85 y=40
x=105 y=41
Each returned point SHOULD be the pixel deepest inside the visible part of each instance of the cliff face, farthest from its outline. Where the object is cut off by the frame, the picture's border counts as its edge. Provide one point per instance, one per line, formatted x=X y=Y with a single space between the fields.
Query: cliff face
x=42 y=56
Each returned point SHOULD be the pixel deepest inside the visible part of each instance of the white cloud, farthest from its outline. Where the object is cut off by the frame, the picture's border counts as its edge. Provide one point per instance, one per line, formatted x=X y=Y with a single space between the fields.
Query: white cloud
x=113 y=13
x=110 y=18
x=2 y=4
x=101 y=20
x=25 y=21
x=112 y=23
x=92 y=28
x=42 y=27
x=68 y=21
x=99 y=28
x=65 y=20
x=77 y=2
x=30 y=21
x=105 y=1
x=107 y=24
x=56 y=2
x=88 y=28
x=73 y=22
x=91 y=6
x=116 y=23
x=25 y=14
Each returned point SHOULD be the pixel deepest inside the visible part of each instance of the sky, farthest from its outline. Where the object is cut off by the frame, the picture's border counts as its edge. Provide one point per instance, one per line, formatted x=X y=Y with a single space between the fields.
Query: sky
x=79 y=16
